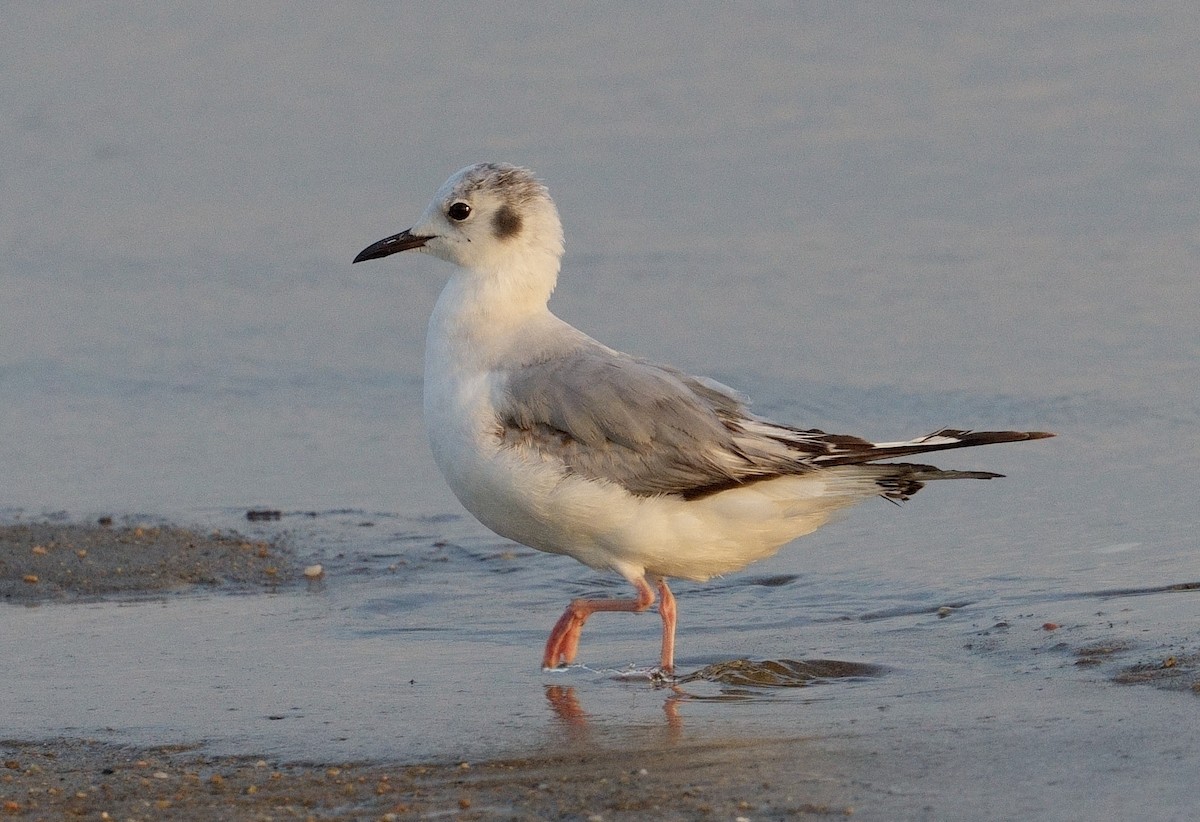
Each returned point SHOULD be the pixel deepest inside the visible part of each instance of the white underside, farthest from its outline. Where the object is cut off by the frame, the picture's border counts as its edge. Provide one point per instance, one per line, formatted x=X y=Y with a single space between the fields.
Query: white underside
x=605 y=527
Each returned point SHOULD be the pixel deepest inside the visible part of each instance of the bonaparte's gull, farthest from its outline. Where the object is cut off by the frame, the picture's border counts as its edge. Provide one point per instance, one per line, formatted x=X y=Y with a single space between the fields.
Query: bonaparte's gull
x=558 y=442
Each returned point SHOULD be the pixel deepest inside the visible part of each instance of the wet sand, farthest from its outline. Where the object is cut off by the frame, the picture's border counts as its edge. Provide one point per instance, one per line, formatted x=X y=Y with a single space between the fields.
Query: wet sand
x=78 y=778
x=592 y=771
x=64 y=778
x=42 y=561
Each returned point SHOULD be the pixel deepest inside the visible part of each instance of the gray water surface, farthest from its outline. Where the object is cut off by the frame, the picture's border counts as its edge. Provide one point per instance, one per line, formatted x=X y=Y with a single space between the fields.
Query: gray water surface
x=876 y=220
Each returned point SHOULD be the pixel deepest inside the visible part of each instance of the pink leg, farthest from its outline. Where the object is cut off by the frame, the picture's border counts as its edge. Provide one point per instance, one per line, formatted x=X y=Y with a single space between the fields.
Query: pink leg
x=666 y=610
x=564 y=638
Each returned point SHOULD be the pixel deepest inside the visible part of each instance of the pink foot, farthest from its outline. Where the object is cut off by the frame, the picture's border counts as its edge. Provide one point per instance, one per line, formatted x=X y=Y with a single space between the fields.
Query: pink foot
x=563 y=643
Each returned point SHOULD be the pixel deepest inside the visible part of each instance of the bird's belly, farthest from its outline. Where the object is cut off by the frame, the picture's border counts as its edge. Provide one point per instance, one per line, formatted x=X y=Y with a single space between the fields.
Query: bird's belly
x=522 y=499
x=506 y=494
x=538 y=503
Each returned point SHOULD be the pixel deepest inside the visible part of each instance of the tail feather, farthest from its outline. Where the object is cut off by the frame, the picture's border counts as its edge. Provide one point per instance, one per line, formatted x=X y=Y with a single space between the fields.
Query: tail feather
x=900 y=480
x=856 y=453
x=771 y=450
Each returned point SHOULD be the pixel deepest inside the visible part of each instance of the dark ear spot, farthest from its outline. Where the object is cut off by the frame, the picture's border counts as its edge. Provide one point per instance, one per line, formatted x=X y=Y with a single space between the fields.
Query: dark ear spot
x=506 y=223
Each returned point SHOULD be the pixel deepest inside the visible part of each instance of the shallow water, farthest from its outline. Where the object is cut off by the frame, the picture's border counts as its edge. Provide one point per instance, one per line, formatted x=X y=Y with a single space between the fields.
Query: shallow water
x=969 y=706
x=878 y=221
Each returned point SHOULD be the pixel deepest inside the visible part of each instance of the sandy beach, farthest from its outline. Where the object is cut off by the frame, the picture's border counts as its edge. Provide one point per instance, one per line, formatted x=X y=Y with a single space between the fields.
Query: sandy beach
x=77 y=778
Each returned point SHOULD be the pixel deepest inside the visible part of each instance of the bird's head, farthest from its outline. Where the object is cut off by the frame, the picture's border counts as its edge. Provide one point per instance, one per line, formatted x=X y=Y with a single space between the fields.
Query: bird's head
x=487 y=217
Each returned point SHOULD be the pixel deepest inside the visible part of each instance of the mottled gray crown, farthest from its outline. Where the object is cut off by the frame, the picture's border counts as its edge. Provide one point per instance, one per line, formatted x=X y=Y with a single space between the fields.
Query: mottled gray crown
x=517 y=185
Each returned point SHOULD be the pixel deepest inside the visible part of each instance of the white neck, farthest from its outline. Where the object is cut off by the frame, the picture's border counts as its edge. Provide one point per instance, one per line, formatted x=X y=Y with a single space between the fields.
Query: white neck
x=482 y=313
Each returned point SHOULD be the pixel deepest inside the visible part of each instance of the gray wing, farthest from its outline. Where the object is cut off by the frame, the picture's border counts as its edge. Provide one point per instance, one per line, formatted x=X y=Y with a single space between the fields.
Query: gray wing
x=649 y=428
x=654 y=430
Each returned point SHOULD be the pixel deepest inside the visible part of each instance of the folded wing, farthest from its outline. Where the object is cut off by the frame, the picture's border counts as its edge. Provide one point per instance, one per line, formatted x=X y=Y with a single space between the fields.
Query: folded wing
x=654 y=430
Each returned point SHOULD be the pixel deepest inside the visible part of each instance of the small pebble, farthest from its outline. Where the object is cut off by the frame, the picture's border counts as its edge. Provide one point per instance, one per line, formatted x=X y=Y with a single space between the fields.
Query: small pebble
x=40 y=550
x=32 y=579
x=314 y=572
x=1050 y=626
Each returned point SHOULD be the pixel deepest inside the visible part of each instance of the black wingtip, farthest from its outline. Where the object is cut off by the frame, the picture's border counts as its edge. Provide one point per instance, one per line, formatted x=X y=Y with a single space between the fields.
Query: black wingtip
x=969 y=438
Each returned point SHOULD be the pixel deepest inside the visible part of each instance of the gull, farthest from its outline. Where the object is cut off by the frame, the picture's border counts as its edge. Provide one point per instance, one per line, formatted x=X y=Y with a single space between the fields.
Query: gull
x=558 y=442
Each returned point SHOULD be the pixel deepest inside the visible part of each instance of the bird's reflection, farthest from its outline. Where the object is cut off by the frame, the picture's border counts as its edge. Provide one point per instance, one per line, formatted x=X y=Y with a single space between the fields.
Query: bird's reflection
x=566 y=706
x=571 y=715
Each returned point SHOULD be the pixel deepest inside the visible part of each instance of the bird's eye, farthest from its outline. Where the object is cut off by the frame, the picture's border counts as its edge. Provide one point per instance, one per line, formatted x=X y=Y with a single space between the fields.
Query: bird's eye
x=458 y=211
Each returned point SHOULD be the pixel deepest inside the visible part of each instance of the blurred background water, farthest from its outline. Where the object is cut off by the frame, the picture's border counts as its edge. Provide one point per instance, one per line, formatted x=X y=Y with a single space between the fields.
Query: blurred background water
x=879 y=220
